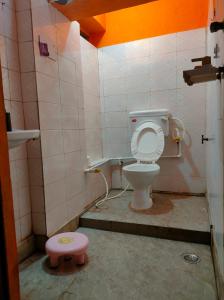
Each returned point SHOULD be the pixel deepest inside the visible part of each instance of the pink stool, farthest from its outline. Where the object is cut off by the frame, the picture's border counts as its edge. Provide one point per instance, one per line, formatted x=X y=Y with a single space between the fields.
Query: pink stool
x=67 y=244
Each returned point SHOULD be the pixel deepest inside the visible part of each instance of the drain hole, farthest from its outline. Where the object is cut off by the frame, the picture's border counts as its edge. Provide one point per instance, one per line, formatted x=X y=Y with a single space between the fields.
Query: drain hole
x=191 y=258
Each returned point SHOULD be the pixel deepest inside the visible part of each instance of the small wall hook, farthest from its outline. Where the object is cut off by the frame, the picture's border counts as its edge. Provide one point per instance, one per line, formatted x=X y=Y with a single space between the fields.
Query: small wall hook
x=205 y=139
x=216 y=51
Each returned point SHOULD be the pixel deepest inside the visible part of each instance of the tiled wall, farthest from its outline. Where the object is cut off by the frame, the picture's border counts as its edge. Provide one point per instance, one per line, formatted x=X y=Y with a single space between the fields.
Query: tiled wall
x=215 y=122
x=69 y=115
x=147 y=74
x=30 y=104
x=60 y=95
x=10 y=42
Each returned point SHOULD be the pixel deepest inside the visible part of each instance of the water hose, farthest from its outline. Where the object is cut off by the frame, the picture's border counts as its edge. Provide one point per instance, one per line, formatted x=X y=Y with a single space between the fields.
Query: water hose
x=101 y=202
x=181 y=127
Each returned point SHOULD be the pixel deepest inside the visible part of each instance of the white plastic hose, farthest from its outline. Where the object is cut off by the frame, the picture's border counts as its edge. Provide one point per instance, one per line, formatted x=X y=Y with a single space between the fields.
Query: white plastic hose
x=101 y=202
x=181 y=127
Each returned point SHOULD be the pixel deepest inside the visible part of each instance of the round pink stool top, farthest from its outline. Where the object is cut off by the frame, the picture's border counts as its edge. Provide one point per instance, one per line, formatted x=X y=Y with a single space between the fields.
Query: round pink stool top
x=67 y=243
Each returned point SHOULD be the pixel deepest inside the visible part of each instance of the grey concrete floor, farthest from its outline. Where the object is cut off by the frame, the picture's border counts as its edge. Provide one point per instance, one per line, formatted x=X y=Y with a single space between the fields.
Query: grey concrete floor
x=123 y=267
x=177 y=211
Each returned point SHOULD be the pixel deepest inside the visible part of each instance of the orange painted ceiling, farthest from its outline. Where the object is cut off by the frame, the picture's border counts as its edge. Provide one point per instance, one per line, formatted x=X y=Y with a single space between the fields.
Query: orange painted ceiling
x=79 y=9
x=151 y=19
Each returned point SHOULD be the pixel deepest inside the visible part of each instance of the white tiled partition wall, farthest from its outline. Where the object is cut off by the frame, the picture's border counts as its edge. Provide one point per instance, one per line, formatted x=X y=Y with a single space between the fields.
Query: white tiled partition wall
x=147 y=74
x=60 y=96
x=69 y=114
x=10 y=41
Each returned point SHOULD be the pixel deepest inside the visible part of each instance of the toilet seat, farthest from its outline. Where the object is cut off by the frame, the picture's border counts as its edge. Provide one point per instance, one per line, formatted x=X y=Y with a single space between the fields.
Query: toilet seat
x=147 y=142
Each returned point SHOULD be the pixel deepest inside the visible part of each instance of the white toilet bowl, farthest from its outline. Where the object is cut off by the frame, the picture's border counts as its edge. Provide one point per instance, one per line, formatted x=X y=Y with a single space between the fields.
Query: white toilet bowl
x=141 y=177
x=147 y=145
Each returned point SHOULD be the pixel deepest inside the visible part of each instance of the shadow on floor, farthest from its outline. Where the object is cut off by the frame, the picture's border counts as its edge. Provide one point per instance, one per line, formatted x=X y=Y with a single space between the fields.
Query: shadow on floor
x=66 y=266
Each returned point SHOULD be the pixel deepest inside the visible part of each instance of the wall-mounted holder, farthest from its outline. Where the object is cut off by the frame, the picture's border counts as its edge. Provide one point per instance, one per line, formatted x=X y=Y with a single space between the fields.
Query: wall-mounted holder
x=216 y=26
x=43 y=47
x=203 y=73
x=44 y=50
x=205 y=139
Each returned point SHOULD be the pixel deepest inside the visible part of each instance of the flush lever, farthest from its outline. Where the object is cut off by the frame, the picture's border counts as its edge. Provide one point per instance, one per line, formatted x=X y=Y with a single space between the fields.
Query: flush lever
x=204 y=139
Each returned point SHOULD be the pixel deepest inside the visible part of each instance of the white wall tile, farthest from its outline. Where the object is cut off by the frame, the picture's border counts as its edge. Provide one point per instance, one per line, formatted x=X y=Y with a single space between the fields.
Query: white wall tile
x=12 y=55
x=22 y=173
x=114 y=86
x=73 y=162
x=115 y=119
x=75 y=205
x=52 y=142
x=26 y=56
x=189 y=97
x=36 y=172
x=69 y=94
x=137 y=49
x=31 y=116
x=24 y=26
x=29 y=87
x=115 y=69
x=5 y=82
x=26 y=226
x=165 y=99
x=54 y=168
x=163 y=72
x=39 y=223
x=54 y=194
x=138 y=83
x=50 y=115
x=8 y=23
x=116 y=135
x=17 y=115
x=37 y=199
x=67 y=70
x=137 y=66
x=112 y=54
x=22 y=5
x=70 y=117
x=191 y=39
x=56 y=218
x=138 y=101
x=3 y=51
x=15 y=86
x=24 y=201
x=48 y=88
x=71 y=140
x=115 y=103
x=163 y=44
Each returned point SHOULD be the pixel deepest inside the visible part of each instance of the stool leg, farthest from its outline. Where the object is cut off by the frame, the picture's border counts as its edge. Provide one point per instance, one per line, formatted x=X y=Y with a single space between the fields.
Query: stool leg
x=80 y=259
x=54 y=261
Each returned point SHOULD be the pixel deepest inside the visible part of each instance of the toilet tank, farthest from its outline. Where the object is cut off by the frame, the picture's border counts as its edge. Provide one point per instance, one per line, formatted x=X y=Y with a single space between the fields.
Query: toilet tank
x=158 y=116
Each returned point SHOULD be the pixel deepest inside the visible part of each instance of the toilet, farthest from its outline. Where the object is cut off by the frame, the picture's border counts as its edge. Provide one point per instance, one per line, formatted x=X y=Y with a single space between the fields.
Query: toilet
x=149 y=129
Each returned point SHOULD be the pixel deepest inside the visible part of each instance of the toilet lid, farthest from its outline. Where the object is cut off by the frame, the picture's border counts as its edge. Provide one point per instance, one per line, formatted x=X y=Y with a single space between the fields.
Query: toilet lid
x=147 y=142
